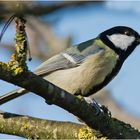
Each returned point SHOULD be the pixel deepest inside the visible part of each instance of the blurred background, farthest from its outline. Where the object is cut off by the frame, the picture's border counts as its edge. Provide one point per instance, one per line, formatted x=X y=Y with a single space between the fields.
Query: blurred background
x=54 y=26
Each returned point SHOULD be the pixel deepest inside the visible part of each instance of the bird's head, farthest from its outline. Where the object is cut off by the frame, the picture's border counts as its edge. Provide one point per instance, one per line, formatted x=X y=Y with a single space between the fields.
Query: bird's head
x=121 y=39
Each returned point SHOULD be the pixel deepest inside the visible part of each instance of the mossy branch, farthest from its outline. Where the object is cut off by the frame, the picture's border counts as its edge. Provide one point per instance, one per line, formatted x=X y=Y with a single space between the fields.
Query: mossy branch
x=34 y=128
x=17 y=64
x=18 y=74
x=110 y=127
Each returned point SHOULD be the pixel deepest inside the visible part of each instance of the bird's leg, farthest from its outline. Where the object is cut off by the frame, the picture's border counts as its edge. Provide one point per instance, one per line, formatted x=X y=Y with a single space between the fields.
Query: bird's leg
x=100 y=109
x=93 y=103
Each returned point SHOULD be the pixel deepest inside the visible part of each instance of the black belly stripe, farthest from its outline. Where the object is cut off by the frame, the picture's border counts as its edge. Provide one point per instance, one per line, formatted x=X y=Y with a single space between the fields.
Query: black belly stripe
x=107 y=79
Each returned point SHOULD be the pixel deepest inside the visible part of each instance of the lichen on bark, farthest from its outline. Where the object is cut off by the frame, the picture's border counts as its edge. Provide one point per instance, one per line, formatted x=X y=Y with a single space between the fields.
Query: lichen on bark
x=17 y=63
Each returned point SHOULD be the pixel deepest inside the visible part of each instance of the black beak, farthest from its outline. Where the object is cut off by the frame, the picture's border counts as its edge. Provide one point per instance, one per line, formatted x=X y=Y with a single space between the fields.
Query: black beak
x=138 y=39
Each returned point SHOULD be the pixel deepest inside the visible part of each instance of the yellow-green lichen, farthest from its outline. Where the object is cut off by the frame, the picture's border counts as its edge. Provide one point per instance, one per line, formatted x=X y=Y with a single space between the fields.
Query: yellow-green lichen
x=1 y=126
x=18 y=70
x=14 y=67
x=13 y=57
x=17 y=64
x=86 y=134
x=20 y=37
x=26 y=126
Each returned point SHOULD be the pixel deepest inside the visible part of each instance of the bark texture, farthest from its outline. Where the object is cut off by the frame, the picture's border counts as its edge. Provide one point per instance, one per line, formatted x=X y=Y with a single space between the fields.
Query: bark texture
x=33 y=128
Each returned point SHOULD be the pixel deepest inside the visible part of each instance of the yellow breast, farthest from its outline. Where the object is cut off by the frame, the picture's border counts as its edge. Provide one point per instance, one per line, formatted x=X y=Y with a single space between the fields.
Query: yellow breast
x=92 y=72
x=97 y=68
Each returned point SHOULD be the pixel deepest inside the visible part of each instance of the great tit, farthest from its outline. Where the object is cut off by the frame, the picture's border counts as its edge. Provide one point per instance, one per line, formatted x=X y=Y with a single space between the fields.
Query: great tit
x=87 y=67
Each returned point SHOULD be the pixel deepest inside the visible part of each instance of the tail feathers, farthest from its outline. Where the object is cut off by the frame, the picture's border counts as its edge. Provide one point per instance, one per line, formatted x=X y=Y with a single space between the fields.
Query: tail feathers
x=11 y=95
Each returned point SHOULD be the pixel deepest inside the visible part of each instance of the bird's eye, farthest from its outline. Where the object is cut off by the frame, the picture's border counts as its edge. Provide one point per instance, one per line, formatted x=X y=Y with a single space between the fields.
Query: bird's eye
x=127 y=33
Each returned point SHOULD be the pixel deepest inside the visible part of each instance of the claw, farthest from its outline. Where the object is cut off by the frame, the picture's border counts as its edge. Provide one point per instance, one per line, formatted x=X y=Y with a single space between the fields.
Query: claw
x=106 y=111
x=100 y=109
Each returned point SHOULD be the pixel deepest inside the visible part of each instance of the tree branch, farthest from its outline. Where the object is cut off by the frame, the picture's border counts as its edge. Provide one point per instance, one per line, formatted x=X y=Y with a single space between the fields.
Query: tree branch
x=37 y=9
x=34 y=128
x=110 y=127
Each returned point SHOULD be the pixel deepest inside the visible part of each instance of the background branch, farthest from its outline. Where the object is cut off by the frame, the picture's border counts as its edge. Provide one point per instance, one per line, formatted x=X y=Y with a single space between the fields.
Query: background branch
x=36 y=9
x=50 y=43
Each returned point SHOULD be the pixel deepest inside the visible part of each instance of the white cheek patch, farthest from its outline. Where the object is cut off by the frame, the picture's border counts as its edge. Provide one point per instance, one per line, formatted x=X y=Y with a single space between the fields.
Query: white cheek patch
x=121 y=41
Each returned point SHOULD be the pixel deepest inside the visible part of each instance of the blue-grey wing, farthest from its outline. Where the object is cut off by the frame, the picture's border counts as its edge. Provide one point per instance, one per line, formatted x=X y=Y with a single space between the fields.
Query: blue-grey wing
x=72 y=57
x=54 y=63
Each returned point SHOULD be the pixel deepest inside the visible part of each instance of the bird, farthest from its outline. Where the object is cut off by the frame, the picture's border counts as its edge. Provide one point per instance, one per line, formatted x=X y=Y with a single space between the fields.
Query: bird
x=86 y=68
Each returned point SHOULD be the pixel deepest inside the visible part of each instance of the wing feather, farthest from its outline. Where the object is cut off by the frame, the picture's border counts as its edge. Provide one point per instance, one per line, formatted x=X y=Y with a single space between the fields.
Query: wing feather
x=72 y=57
x=55 y=63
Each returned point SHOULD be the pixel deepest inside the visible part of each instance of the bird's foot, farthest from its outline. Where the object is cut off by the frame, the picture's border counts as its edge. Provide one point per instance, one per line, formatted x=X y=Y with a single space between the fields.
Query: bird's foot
x=100 y=109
